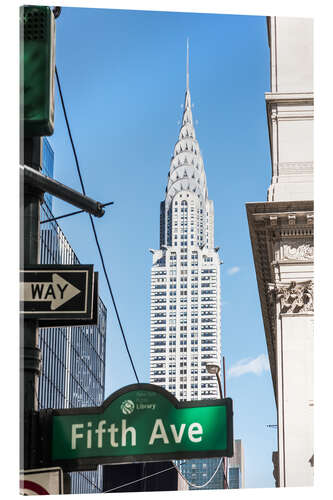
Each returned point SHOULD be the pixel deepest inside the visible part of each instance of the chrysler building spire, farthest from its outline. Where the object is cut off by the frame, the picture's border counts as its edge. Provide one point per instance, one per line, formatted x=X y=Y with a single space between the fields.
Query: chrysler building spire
x=187 y=173
x=187 y=68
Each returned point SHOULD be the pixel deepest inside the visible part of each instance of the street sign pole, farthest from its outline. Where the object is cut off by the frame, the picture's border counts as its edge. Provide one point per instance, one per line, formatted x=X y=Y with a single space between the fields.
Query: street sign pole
x=37 y=65
x=30 y=356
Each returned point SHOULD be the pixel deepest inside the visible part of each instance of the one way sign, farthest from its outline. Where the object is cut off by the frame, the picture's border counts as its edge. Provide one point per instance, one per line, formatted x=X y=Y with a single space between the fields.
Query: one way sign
x=57 y=291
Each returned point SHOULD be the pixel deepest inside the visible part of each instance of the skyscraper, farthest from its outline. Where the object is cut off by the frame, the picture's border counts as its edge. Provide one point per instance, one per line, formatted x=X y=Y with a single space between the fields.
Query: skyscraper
x=185 y=280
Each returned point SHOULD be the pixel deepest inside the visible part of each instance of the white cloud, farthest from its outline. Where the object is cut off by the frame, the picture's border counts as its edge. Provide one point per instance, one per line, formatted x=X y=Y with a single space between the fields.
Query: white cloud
x=257 y=366
x=233 y=270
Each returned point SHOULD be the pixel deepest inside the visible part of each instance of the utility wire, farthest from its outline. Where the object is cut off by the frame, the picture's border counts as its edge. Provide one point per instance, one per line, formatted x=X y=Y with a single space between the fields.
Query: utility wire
x=200 y=485
x=138 y=480
x=93 y=226
x=71 y=213
x=165 y=470
x=83 y=475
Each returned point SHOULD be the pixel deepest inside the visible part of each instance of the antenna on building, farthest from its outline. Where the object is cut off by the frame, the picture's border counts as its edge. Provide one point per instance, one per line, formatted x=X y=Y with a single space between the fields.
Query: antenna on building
x=187 y=65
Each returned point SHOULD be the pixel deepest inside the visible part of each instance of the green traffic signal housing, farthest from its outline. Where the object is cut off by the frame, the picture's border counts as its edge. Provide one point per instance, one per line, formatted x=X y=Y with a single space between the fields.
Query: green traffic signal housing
x=37 y=59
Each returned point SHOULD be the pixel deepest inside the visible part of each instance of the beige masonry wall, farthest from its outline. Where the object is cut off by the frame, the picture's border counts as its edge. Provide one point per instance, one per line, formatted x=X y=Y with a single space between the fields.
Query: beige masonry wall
x=281 y=232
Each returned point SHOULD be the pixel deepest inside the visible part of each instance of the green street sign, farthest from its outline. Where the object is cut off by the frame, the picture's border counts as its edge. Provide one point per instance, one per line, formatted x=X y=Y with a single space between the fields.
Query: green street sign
x=141 y=423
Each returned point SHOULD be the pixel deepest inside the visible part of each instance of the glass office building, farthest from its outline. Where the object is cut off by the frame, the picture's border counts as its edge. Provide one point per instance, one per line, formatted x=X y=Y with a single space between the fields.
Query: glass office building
x=48 y=165
x=73 y=358
x=199 y=471
x=234 y=477
x=236 y=466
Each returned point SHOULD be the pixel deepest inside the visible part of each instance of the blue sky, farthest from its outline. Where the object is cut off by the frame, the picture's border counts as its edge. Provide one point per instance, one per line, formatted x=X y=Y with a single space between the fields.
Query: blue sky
x=123 y=80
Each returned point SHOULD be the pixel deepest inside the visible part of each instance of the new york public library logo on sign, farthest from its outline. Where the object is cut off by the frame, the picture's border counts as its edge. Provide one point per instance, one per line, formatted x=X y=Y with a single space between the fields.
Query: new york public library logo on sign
x=140 y=422
x=141 y=403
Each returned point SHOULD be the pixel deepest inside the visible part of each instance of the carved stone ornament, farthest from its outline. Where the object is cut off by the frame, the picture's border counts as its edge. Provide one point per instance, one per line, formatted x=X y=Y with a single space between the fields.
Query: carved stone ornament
x=294 y=297
x=301 y=252
x=295 y=249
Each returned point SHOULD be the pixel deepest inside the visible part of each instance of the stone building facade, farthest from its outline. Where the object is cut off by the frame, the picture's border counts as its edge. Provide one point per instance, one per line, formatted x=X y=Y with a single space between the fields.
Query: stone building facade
x=281 y=232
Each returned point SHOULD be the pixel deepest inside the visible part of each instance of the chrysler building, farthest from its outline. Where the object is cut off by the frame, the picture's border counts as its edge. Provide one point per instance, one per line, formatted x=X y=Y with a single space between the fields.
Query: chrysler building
x=185 y=276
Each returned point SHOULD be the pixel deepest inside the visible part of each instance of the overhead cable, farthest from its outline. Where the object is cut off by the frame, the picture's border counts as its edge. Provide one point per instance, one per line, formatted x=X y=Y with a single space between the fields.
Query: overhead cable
x=137 y=480
x=141 y=479
x=93 y=225
x=165 y=470
x=200 y=485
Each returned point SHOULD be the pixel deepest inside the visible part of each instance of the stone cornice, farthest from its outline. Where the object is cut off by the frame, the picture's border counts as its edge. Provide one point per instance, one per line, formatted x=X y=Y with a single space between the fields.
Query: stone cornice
x=280 y=232
x=281 y=209
x=289 y=97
